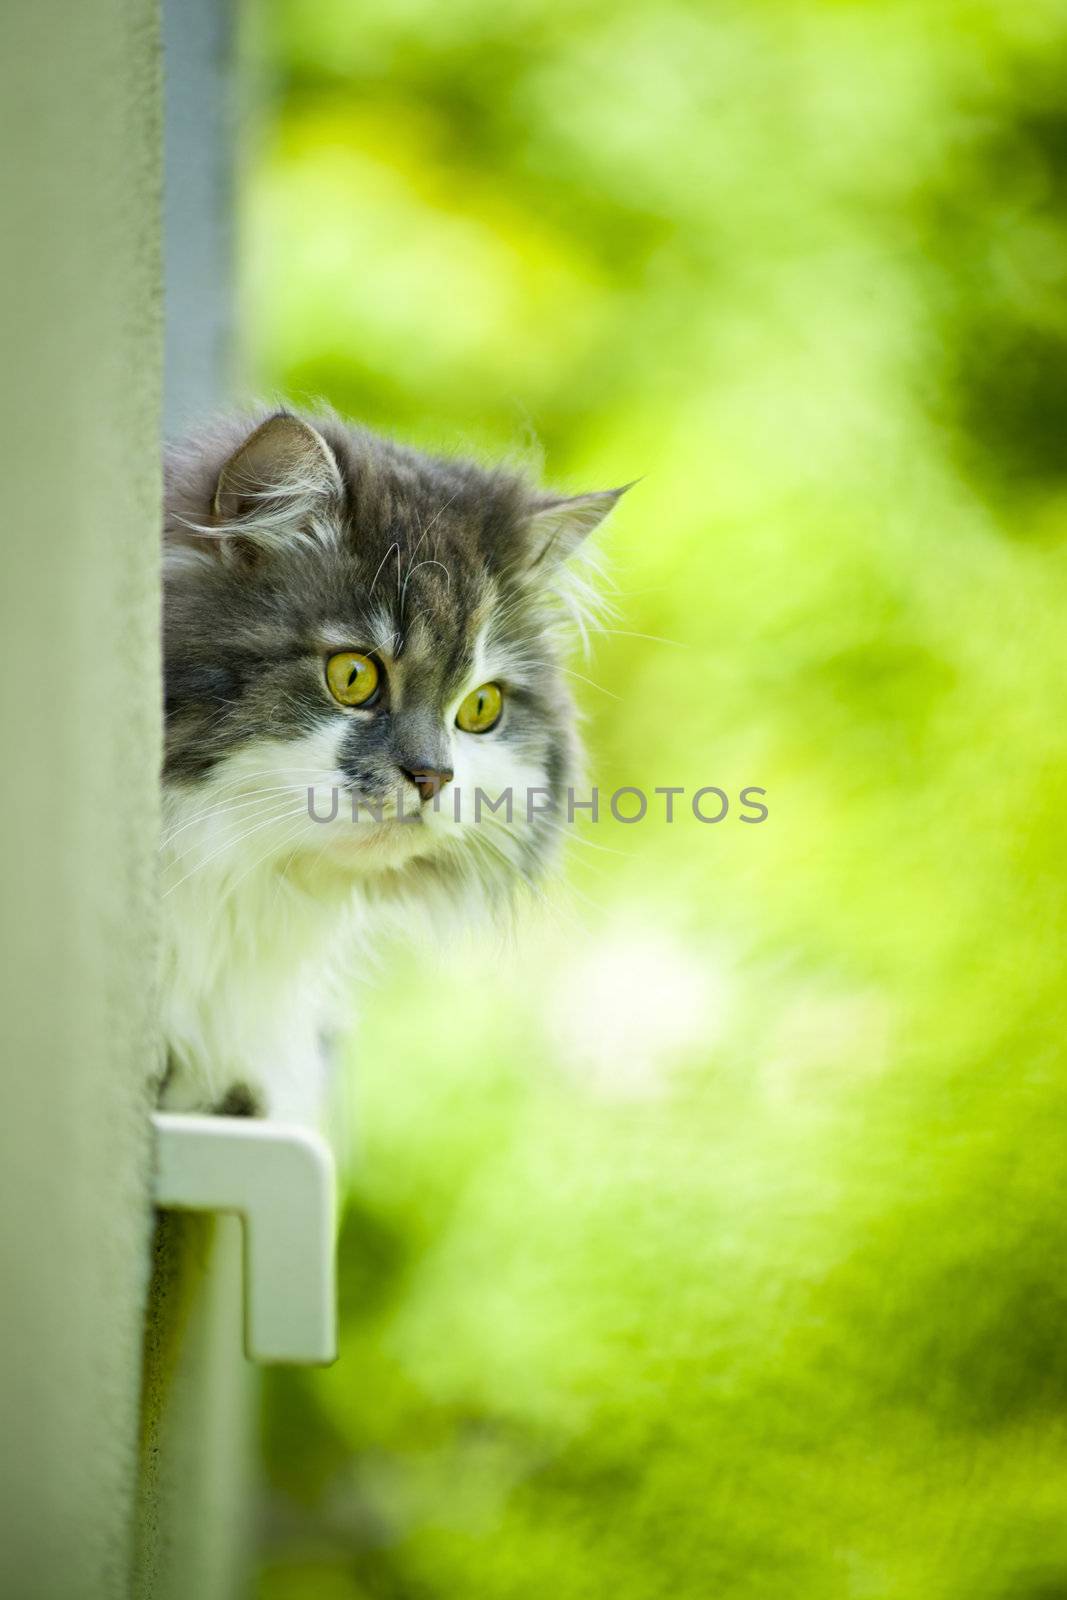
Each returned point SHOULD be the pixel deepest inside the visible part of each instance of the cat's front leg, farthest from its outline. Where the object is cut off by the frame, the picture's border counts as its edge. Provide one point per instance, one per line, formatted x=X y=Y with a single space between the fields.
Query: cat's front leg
x=288 y=1091
x=186 y=1086
x=203 y=1088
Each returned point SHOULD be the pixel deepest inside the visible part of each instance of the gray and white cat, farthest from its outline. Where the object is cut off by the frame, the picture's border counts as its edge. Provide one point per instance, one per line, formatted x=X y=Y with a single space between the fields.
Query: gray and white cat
x=342 y=614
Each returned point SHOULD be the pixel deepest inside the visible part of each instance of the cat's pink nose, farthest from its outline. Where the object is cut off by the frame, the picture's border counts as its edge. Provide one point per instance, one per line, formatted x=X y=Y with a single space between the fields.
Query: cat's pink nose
x=428 y=780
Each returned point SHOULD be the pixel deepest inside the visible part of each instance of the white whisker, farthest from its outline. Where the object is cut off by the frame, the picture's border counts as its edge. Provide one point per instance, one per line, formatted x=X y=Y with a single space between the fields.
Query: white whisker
x=231 y=845
x=381 y=564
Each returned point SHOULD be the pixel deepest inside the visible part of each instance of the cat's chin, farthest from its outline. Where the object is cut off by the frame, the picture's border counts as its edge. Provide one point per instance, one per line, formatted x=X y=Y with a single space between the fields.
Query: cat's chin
x=367 y=849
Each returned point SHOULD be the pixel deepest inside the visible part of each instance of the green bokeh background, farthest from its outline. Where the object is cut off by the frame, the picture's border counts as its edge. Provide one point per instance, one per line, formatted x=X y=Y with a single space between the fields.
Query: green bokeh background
x=710 y=1241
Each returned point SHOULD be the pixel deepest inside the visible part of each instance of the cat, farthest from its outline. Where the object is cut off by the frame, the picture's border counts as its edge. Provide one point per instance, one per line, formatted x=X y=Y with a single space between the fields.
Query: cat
x=344 y=616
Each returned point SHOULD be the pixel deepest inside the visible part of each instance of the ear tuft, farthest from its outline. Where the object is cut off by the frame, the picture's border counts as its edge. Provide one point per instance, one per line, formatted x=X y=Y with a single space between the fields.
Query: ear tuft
x=559 y=523
x=285 y=462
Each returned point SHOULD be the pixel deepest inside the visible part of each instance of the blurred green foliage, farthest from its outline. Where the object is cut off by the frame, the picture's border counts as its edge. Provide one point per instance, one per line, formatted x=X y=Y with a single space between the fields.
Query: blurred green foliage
x=712 y=1243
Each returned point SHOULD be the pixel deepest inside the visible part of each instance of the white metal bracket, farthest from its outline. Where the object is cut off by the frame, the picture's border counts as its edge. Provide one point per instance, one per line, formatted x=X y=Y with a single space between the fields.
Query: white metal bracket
x=279 y=1179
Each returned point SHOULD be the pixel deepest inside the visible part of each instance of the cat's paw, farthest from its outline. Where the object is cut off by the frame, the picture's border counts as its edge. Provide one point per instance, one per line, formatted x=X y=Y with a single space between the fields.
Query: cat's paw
x=185 y=1089
x=240 y=1101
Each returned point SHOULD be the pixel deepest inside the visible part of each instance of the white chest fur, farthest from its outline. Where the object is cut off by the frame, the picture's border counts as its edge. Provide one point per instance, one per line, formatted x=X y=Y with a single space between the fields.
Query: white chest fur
x=248 y=987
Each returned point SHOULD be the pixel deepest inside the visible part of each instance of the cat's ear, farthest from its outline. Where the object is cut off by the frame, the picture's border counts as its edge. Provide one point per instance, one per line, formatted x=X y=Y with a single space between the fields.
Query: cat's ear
x=283 y=474
x=559 y=524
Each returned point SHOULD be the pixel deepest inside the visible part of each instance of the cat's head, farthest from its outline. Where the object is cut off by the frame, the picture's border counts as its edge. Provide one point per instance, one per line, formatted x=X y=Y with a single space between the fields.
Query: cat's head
x=343 y=614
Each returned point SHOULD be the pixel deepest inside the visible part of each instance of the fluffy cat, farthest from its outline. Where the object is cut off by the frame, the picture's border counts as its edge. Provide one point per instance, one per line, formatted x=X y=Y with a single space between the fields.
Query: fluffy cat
x=346 y=616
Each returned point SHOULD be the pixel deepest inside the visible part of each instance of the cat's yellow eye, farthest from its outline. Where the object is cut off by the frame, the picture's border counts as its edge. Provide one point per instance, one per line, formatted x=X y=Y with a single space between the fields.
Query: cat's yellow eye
x=481 y=709
x=352 y=678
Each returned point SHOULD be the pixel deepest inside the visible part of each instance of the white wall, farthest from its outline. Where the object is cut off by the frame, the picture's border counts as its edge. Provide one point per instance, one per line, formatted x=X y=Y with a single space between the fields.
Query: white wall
x=80 y=348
